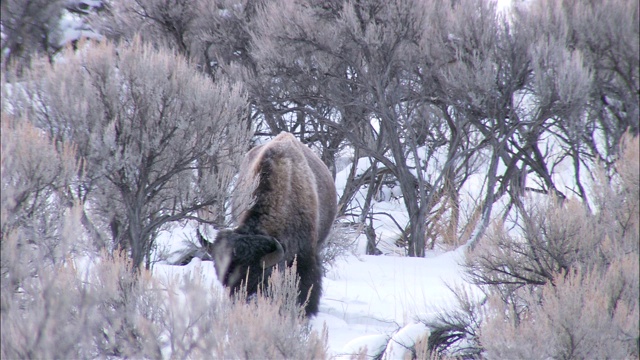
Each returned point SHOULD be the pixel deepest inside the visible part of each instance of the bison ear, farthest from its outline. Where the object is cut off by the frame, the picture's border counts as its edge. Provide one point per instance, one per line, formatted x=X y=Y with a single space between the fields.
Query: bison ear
x=274 y=257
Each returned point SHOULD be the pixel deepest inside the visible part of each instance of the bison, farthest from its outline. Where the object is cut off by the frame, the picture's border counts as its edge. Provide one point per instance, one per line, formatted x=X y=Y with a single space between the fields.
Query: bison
x=284 y=205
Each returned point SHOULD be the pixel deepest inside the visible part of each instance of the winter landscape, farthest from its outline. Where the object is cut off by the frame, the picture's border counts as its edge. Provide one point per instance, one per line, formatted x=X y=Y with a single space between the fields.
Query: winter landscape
x=368 y=301
x=485 y=155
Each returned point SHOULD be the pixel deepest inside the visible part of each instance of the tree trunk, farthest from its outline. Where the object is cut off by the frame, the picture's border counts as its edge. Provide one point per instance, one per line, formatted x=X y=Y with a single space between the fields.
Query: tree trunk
x=417 y=227
x=487 y=204
x=136 y=238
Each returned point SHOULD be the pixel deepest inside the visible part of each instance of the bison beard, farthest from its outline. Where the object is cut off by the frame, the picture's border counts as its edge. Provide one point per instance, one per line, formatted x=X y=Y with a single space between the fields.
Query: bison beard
x=284 y=204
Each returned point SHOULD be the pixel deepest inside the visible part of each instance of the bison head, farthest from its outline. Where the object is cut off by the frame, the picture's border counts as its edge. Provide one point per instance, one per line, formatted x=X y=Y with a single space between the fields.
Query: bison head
x=244 y=258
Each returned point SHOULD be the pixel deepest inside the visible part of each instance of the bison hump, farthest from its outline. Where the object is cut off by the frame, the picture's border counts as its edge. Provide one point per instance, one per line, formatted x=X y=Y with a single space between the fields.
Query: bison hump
x=284 y=200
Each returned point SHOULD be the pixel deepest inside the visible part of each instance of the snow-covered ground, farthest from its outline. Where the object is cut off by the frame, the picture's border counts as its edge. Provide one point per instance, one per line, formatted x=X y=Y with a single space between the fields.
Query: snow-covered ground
x=369 y=299
x=366 y=300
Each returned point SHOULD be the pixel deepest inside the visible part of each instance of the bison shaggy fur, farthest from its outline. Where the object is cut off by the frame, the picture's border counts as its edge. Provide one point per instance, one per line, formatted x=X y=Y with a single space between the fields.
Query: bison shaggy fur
x=284 y=205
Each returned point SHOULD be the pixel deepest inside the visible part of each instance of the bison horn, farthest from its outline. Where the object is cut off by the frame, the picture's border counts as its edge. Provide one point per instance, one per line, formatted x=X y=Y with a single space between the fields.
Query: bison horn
x=272 y=258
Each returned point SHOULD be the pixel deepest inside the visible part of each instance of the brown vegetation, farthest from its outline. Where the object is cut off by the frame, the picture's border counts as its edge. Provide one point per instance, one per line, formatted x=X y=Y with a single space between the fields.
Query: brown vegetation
x=562 y=285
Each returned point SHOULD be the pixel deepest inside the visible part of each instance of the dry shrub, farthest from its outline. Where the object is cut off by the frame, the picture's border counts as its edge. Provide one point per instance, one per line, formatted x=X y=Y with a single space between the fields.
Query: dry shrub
x=34 y=178
x=628 y=167
x=617 y=199
x=107 y=310
x=50 y=308
x=587 y=314
x=454 y=332
x=28 y=28
x=567 y=287
x=563 y=283
x=63 y=312
x=342 y=240
x=555 y=237
x=422 y=348
x=36 y=312
x=142 y=121
x=129 y=309
x=551 y=237
x=269 y=325
x=273 y=326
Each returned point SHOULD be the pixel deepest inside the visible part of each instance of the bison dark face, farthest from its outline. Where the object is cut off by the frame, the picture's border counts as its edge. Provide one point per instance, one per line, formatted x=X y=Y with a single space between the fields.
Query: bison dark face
x=245 y=259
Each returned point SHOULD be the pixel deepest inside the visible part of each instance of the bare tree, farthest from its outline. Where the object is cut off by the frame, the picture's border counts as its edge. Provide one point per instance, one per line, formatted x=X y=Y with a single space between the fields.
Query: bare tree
x=164 y=23
x=157 y=140
x=28 y=27
x=34 y=27
x=344 y=66
x=400 y=82
x=212 y=34
x=495 y=93
x=433 y=92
